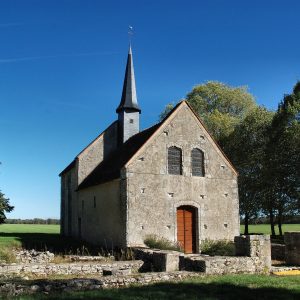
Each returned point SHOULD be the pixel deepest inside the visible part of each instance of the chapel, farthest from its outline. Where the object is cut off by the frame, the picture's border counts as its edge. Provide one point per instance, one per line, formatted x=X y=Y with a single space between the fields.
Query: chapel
x=171 y=180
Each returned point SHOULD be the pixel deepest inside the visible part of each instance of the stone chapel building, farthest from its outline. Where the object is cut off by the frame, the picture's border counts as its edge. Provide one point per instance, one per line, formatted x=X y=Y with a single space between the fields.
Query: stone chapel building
x=171 y=179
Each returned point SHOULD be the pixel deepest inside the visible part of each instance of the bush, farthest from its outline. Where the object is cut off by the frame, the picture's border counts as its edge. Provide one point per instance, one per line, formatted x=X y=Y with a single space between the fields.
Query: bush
x=155 y=242
x=7 y=256
x=221 y=247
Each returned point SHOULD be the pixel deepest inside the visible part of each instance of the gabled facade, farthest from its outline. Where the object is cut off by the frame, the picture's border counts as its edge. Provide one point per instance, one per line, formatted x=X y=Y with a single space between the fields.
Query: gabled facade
x=171 y=180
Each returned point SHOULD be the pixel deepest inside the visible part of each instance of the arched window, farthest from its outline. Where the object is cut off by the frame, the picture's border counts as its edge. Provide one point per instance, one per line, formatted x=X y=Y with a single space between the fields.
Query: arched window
x=198 y=162
x=174 y=161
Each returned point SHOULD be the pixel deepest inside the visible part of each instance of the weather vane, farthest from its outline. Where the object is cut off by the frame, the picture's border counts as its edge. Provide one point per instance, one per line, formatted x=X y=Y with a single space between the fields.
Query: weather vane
x=130 y=33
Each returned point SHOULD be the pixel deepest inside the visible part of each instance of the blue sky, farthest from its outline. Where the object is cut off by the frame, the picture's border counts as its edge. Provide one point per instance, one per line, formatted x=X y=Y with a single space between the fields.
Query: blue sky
x=62 y=65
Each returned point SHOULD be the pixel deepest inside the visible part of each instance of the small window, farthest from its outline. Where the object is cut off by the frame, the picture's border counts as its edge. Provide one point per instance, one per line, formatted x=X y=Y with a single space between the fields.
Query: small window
x=197 y=162
x=131 y=121
x=95 y=204
x=174 y=161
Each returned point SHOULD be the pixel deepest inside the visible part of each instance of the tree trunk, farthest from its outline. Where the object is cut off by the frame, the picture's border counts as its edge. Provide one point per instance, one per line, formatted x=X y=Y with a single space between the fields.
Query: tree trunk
x=246 y=231
x=272 y=222
x=280 y=222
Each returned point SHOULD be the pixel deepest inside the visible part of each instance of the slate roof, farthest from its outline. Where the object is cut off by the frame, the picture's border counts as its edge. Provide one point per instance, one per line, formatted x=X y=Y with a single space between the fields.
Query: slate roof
x=129 y=98
x=110 y=167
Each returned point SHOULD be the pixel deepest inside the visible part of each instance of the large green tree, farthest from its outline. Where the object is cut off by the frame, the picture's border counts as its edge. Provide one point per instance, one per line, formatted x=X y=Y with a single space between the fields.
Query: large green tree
x=220 y=106
x=282 y=163
x=246 y=147
x=4 y=207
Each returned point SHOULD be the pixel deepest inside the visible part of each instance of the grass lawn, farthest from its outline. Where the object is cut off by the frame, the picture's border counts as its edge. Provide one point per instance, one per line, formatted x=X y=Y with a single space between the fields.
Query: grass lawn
x=244 y=287
x=266 y=228
x=31 y=228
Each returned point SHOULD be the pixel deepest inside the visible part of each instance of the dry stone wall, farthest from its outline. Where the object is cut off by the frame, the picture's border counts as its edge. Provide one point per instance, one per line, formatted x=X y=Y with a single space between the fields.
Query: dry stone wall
x=118 y=267
x=45 y=286
x=292 y=250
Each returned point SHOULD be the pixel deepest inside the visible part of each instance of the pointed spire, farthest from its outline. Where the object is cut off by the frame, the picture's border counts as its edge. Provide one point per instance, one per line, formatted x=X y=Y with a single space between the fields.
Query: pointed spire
x=129 y=99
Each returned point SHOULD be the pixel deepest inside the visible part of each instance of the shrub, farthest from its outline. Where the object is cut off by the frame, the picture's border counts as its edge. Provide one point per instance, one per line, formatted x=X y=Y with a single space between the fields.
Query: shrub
x=155 y=242
x=220 y=247
x=7 y=255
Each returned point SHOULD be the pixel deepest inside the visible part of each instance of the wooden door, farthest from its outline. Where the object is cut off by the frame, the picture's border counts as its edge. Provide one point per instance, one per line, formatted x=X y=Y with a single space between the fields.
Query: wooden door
x=186 y=228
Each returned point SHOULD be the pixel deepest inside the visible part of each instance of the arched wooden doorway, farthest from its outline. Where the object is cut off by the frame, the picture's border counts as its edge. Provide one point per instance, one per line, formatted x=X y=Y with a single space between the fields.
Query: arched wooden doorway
x=186 y=228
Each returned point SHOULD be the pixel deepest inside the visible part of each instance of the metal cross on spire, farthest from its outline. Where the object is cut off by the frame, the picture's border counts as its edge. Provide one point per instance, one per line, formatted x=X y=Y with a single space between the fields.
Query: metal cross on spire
x=130 y=33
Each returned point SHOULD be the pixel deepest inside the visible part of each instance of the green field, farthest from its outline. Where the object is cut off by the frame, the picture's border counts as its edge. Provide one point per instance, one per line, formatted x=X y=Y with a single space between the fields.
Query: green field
x=266 y=228
x=246 y=287
x=32 y=228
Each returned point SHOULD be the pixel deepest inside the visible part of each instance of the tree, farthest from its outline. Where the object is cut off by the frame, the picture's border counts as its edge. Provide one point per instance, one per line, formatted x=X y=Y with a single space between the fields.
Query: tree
x=246 y=146
x=4 y=207
x=282 y=165
x=220 y=106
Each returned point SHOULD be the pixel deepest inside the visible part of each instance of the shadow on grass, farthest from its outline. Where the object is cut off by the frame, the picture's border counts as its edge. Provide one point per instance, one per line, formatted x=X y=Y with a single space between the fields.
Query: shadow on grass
x=181 y=290
x=52 y=242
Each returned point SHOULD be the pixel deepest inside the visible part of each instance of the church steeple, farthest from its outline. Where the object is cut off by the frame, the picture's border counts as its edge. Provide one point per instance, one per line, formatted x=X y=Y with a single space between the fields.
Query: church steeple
x=129 y=98
x=128 y=109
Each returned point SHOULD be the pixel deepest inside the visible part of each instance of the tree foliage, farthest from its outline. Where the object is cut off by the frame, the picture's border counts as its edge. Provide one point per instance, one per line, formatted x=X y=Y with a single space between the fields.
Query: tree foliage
x=4 y=207
x=282 y=164
x=246 y=147
x=221 y=107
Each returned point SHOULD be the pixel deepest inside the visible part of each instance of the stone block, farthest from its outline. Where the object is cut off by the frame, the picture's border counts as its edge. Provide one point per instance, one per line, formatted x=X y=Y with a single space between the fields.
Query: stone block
x=166 y=261
x=278 y=251
x=292 y=249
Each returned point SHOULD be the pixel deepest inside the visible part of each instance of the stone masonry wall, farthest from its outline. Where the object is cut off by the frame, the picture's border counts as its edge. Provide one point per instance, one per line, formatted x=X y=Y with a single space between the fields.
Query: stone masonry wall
x=122 y=267
x=254 y=251
x=255 y=246
x=45 y=286
x=292 y=250
x=94 y=153
x=102 y=215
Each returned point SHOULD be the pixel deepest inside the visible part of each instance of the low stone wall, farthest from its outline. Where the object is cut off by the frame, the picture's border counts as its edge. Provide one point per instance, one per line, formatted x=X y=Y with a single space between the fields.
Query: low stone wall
x=45 y=286
x=158 y=260
x=89 y=258
x=253 y=256
x=255 y=246
x=115 y=268
x=292 y=249
x=33 y=256
x=278 y=251
x=218 y=265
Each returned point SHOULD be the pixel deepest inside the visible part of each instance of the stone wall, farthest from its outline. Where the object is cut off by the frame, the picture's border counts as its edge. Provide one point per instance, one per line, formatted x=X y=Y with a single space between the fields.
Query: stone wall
x=254 y=246
x=102 y=216
x=278 y=251
x=33 y=256
x=121 y=267
x=254 y=256
x=158 y=260
x=94 y=153
x=292 y=250
x=154 y=195
x=9 y=288
x=218 y=265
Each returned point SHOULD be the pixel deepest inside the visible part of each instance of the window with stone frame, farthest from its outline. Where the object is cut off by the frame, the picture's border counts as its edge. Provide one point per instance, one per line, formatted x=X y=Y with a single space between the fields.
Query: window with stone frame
x=197 y=162
x=174 y=160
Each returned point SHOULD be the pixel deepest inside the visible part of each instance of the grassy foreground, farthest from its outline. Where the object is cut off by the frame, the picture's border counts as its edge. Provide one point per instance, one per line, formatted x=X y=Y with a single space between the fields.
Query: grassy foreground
x=244 y=287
